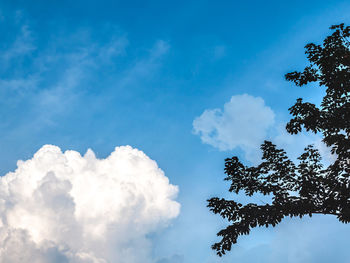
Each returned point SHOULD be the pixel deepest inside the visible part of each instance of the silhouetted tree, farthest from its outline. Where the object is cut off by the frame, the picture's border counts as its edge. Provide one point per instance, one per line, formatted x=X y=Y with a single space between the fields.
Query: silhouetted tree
x=308 y=187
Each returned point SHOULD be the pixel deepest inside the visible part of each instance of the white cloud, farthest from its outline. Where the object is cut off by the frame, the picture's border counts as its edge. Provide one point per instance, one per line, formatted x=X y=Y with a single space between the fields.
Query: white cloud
x=243 y=122
x=64 y=207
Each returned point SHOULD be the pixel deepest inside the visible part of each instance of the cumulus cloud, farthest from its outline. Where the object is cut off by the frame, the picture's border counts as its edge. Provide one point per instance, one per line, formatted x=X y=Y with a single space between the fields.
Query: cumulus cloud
x=243 y=122
x=64 y=207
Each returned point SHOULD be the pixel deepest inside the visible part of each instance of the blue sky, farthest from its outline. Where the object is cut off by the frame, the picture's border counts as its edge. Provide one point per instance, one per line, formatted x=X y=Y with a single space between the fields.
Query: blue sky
x=101 y=74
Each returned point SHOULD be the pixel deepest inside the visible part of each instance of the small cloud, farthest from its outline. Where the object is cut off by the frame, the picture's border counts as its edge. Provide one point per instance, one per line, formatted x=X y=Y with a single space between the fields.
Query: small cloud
x=245 y=122
x=173 y=259
x=242 y=123
x=160 y=48
x=219 y=51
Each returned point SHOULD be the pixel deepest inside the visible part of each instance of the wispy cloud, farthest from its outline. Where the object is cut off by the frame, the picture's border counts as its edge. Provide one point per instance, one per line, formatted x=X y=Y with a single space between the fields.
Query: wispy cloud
x=60 y=74
x=144 y=67
x=23 y=45
x=173 y=259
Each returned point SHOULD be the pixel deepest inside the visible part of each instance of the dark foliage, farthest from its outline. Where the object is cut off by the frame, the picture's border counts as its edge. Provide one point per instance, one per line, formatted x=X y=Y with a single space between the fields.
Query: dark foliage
x=305 y=188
